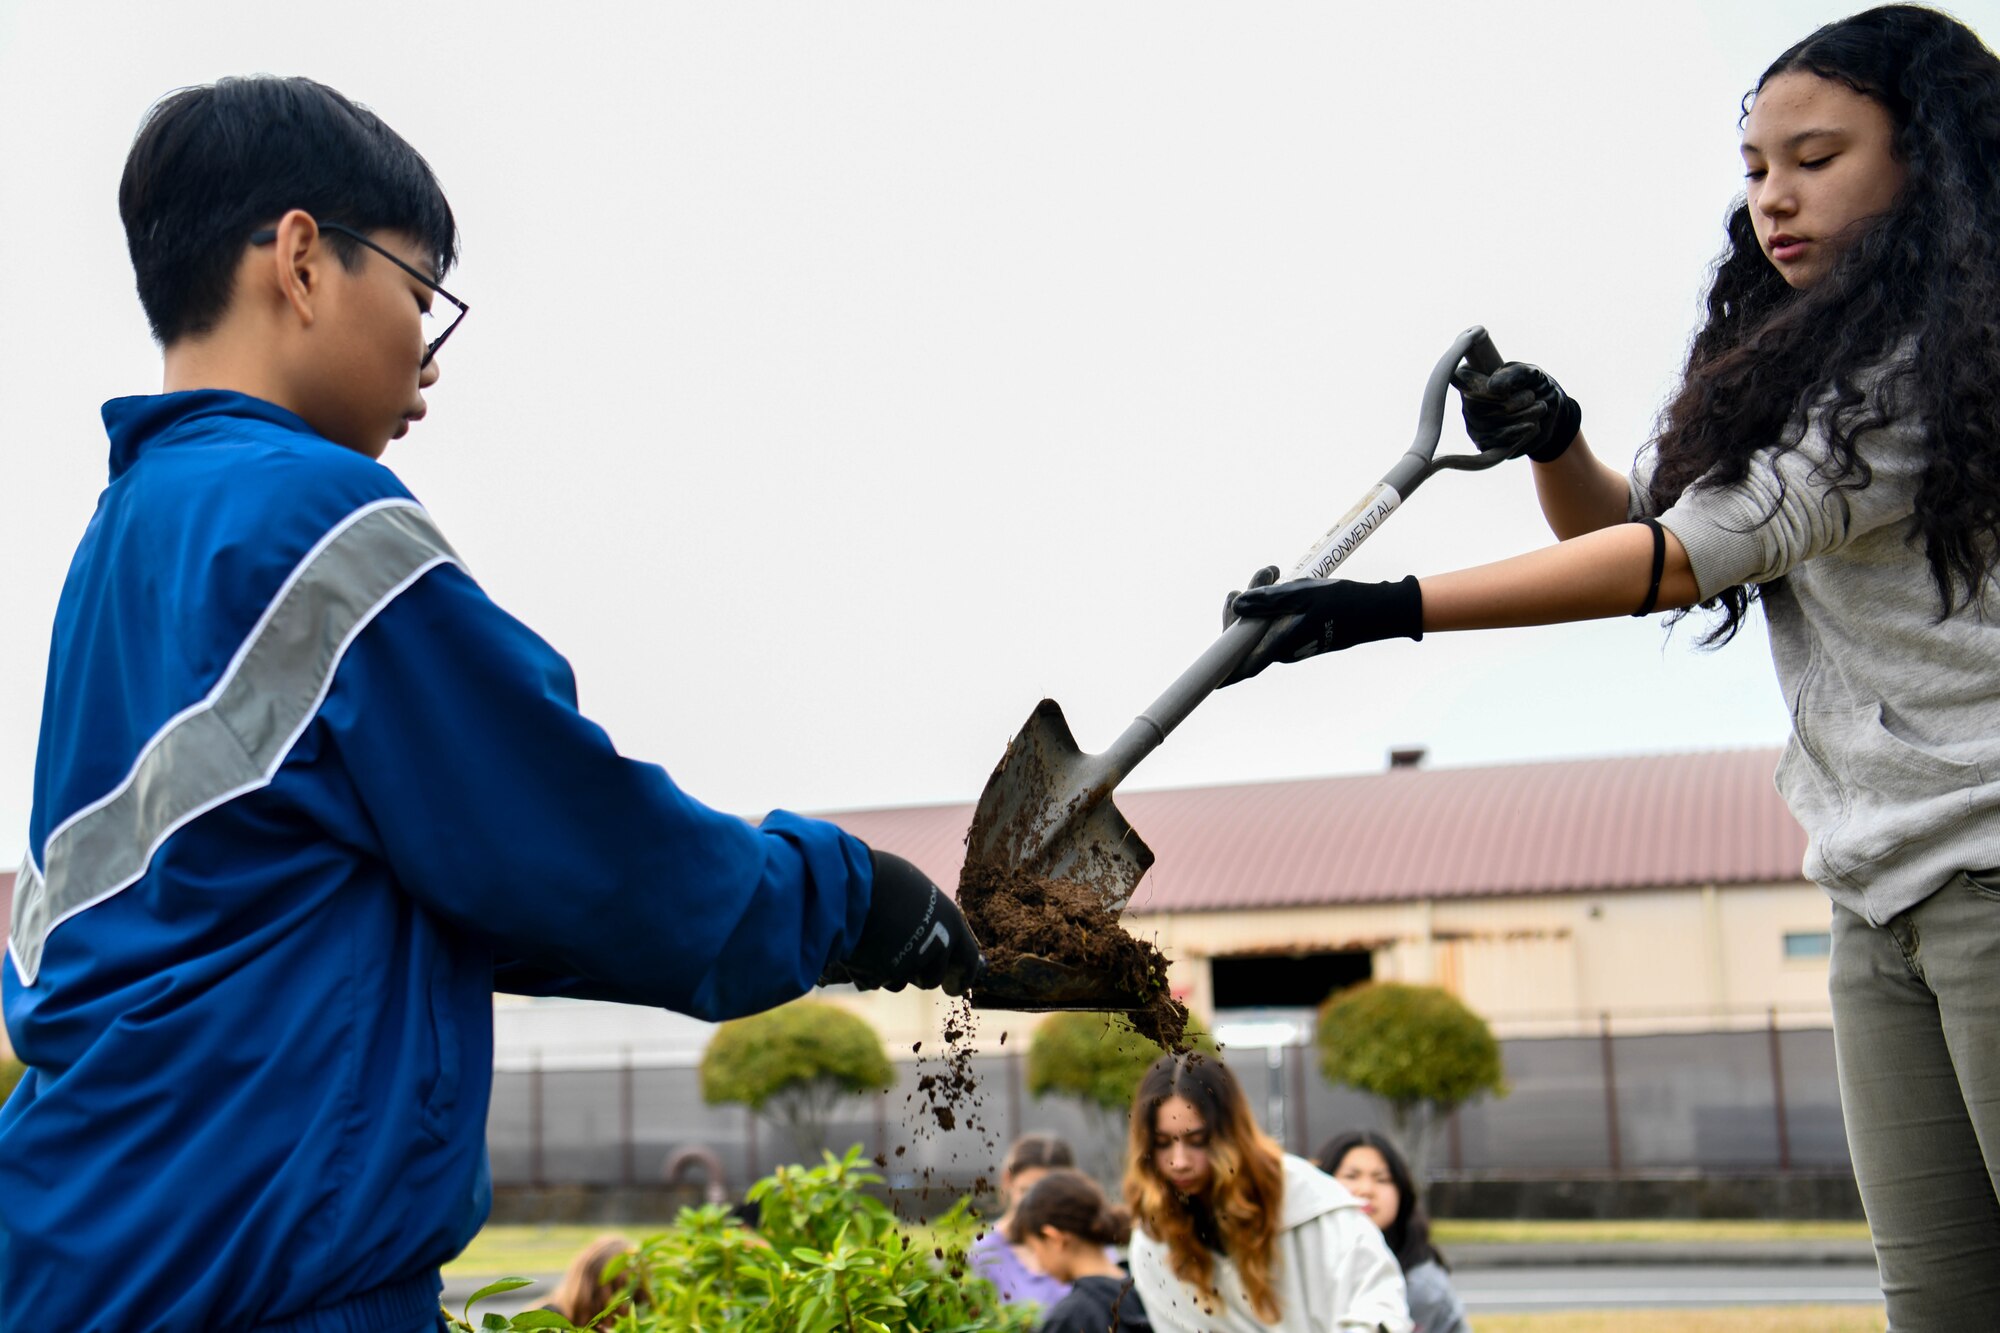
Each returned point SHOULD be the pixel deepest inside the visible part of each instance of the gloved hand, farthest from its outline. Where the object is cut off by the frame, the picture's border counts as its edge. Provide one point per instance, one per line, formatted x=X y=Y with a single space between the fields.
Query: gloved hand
x=1519 y=408
x=1331 y=614
x=913 y=934
x=1263 y=578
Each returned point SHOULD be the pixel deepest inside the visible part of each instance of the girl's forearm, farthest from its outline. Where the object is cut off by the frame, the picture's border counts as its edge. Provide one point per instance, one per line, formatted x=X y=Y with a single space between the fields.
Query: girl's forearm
x=1579 y=493
x=1600 y=574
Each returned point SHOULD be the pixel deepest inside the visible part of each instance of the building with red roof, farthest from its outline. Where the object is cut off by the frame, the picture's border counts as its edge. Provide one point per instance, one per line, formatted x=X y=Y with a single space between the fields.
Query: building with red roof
x=1662 y=891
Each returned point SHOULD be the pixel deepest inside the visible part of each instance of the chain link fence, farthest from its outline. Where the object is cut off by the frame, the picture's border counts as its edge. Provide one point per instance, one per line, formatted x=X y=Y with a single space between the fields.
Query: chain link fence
x=1759 y=1100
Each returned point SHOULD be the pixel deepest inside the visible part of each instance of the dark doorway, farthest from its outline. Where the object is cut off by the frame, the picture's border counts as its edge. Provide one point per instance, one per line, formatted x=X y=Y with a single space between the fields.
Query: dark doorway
x=1286 y=981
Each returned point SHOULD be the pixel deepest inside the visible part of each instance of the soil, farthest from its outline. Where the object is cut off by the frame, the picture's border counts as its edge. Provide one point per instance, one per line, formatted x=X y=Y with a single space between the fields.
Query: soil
x=1021 y=917
x=951 y=1089
x=1016 y=914
x=948 y=1097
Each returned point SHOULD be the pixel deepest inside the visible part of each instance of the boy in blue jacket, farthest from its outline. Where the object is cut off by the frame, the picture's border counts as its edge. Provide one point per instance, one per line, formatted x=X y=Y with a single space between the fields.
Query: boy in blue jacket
x=305 y=797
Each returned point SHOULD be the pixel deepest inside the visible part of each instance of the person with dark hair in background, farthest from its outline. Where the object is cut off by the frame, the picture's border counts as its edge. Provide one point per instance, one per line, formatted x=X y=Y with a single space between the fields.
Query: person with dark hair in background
x=1007 y=1263
x=1832 y=455
x=306 y=797
x=1374 y=1172
x=1233 y=1234
x=1068 y=1224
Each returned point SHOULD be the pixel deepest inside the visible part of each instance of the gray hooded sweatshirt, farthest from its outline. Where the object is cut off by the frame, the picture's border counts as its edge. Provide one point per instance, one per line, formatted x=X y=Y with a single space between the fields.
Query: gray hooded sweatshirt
x=1893 y=767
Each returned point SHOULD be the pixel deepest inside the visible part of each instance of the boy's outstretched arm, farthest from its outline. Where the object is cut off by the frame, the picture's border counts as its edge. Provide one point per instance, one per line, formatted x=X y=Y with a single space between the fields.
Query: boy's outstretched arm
x=502 y=809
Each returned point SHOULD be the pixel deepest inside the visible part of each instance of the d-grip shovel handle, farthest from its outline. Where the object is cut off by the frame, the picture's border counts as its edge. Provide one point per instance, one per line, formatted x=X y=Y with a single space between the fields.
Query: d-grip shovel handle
x=1416 y=466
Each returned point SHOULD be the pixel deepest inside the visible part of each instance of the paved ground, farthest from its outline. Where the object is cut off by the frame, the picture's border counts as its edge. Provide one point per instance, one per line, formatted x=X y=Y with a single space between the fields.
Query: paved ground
x=1525 y=1290
x=1642 y=1254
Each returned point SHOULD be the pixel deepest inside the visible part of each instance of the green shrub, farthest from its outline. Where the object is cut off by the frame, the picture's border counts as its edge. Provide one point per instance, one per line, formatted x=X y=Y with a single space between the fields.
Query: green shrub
x=794 y=1064
x=1416 y=1047
x=1096 y=1058
x=827 y=1257
x=11 y=1072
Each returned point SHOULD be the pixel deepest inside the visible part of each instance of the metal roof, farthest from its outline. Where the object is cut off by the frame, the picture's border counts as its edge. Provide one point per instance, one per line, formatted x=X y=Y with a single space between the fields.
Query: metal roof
x=1637 y=821
x=1571 y=826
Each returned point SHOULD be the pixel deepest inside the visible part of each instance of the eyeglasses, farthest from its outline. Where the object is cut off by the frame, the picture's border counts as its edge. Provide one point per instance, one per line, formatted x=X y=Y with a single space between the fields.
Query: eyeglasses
x=434 y=320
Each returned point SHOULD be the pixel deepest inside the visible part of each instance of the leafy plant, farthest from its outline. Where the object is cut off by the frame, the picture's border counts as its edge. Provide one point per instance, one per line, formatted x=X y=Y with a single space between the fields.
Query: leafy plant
x=11 y=1073
x=793 y=1064
x=1416 y=1047
x=827 y=1257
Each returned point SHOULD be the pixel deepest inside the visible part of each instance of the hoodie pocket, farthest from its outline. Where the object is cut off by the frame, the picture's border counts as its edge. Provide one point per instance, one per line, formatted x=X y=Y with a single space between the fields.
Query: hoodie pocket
x=1896 y=793
x=443 y=1097
x=1985 y=883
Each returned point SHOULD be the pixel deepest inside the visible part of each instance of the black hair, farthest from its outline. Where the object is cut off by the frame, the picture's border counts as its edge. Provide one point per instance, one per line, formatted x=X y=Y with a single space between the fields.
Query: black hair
x=1074 y=1204
x=1768 y=356
x=1409 y=1236
x=1032 y=1152
x=213 y=163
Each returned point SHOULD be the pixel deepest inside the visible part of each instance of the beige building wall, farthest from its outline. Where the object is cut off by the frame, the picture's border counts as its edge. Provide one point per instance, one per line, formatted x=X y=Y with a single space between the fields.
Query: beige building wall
x=1659 y=960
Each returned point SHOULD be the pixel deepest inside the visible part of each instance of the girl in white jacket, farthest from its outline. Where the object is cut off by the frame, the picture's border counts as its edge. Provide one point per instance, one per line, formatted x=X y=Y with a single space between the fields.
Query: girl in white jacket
x=1232 y=1234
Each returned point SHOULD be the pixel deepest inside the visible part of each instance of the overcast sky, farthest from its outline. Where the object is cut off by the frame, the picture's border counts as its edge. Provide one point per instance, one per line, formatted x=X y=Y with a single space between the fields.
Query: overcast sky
x=843 y=378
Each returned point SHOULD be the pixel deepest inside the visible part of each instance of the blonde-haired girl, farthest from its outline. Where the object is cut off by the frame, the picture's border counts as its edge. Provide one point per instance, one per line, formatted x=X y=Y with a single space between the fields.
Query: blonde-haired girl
x=1234 y=1235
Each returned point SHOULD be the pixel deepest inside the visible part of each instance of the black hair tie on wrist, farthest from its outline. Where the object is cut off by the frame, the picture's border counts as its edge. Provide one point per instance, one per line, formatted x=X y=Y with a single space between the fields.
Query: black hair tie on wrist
x=1659 y=567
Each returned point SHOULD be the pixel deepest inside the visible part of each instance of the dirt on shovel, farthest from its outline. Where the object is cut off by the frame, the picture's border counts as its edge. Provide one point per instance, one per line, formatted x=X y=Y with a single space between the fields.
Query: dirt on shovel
x=1015 y=913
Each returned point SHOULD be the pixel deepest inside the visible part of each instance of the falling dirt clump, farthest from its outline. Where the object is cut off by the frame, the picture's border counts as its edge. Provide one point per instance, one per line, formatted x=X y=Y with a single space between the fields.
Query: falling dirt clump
x=1020 y=916
x=948 y=1089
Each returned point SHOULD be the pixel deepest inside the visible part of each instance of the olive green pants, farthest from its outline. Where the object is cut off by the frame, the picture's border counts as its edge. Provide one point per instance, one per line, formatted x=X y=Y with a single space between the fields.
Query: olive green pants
x=1916 y=1023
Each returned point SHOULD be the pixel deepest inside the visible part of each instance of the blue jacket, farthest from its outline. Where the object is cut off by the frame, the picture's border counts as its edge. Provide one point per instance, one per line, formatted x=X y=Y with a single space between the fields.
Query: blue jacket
x=305 y=798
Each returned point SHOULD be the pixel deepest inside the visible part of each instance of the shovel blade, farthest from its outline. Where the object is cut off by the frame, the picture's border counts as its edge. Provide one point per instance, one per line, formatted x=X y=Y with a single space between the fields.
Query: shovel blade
x=1033 y=984
x=1047 y=810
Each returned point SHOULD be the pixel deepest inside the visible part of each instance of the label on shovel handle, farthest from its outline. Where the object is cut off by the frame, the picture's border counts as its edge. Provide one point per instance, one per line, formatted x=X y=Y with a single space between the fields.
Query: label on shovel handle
x=1352 y=530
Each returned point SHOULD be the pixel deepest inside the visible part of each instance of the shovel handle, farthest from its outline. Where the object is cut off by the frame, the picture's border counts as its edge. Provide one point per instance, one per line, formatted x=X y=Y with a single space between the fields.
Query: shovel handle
x=1418 y=463
x=1228 y=652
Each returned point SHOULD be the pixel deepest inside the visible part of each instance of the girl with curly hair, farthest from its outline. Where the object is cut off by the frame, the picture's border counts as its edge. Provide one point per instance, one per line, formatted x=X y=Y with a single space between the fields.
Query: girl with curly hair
x=1234 y=1235
x=1832 y=456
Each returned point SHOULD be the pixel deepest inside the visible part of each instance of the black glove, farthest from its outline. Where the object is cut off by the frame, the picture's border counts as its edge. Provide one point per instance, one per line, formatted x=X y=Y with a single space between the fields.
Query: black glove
x=1331 y=614
x=1519 y=408
x=913 y=934
x=1263 y=578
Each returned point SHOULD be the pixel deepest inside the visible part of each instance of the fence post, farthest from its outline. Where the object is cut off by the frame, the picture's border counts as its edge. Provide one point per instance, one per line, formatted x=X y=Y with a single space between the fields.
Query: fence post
x=1302 y=1138
x=751 y=1173
x=1778 y=1096
x=882 y=1127
x=1610 y=1091
x=627 y=1164
x=535 y=1176
x=1013 y=1095
x=1274 y=1094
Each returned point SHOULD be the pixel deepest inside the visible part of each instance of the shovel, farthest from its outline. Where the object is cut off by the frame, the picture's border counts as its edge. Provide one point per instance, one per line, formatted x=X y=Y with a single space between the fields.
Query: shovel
x=1047 y=809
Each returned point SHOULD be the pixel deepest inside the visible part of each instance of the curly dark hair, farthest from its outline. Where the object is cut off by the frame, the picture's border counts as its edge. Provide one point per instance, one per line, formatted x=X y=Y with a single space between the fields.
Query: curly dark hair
x=1929 y=268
